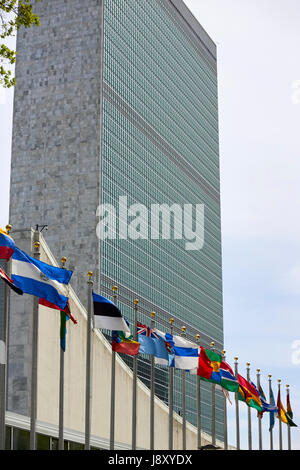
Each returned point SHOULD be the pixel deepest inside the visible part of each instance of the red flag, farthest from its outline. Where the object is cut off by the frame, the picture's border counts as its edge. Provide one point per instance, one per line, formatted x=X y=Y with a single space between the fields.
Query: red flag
x=204 y=365
x=67 y=310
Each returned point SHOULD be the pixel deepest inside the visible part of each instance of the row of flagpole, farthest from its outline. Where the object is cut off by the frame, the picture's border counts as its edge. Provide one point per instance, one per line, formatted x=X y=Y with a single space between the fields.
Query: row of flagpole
x=88 y=396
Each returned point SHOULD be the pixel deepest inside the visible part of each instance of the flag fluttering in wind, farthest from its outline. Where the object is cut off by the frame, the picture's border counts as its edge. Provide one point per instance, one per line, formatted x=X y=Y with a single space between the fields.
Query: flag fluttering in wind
x=272 y=414
x=151 y=343
x=107 y=315
x=212 y=368
x=7 y=245
x=266 y=407
x=66 y=310
x=37 y=278
x=10 y=282
x=289 y=411
x=124 y=344
x=65 y=315
x=182 y=354
x=282 y=414
x=248 y=394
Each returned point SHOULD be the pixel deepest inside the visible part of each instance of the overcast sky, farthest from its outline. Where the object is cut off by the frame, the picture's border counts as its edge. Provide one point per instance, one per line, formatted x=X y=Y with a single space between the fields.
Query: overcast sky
x=259 y=99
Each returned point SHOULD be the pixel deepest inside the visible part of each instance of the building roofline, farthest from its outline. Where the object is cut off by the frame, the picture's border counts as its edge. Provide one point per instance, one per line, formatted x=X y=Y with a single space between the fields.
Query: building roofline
x=196 y=27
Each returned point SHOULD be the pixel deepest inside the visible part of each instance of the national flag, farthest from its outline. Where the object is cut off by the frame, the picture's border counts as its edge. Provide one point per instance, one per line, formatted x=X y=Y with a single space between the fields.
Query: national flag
x=266 y=407
x=151 y=343
x=7 y=245
x=282 y=414
x=63 y=329
x=10 y=282
x=225 y=393
x=123 y=344
x=272 y=414
x=66 y=310
x=289 y=410
x=248 y=394
x=212 y=368
x=182 y=354
x=37 y=278
x=107 y=315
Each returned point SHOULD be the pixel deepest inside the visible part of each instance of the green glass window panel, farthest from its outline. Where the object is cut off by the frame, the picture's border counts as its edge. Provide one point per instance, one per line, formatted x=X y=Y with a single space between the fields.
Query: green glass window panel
x=21 y=439
x=43 y=442
x=8 y=438
x=76 y=446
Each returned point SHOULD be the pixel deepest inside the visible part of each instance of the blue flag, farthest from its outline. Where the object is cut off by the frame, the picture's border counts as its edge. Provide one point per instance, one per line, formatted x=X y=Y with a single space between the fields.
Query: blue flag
x=151 y=343
x=42 y=280
x=272 y=414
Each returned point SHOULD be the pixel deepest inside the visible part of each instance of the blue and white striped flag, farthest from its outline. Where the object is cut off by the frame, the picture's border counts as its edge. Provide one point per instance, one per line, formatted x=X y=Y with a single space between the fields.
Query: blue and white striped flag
x=40 y=279
x=183 y=353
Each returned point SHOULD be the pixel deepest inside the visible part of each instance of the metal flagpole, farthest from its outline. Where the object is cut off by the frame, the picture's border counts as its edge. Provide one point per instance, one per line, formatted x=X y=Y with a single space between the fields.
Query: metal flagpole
x=213 y=406
x=225 y=414
x=61 y=386
x=171 y=395
x=237 y=407
x=3 y=356
x=183 y=372
x=259 y=416
x=88 y=390
x=152 y=391
x=34 y=358
x=113 y=386
x=288 y=426
x=198 y=406
x=279 y=416
x=249 y=413
x=134 y=391
x=270 y=398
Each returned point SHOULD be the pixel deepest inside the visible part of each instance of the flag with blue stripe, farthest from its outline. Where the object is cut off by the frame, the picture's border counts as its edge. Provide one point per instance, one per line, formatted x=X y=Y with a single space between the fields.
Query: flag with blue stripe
x=183 y=353
x=270 y=408
x=37 y=278
x=272 y=413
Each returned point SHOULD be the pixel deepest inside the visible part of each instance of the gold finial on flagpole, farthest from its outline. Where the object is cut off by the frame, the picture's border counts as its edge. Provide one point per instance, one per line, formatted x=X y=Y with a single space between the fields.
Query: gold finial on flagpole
x=152 y=314
x=8 y=228
x=223 y=352
x=36 y=244
x=114 y=289
x=171 y=321
x=197 y=337
x=212 y=344
x=183 y=328
x=135 y=301
x=248 y=364
x=63 y=260
x=90 y=273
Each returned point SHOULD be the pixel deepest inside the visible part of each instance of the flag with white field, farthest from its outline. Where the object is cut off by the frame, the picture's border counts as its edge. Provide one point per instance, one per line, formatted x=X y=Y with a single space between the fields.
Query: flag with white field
x=40 y=279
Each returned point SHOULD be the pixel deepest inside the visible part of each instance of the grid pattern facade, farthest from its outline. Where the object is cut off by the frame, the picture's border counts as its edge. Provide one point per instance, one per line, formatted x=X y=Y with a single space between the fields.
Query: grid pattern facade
x=160 y=146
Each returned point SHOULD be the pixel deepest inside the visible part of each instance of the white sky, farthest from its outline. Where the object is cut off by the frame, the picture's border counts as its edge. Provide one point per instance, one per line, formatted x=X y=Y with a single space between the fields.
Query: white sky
x=258 y=64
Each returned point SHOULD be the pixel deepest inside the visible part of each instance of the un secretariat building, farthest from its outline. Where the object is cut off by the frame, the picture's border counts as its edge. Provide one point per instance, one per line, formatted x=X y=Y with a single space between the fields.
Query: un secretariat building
x=118 y=99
